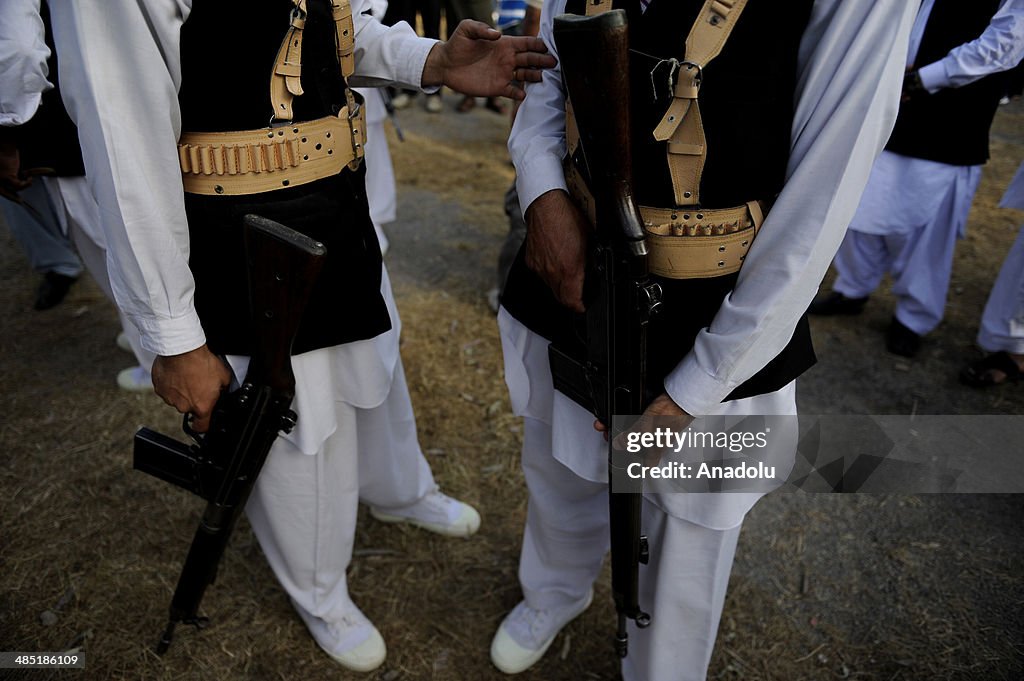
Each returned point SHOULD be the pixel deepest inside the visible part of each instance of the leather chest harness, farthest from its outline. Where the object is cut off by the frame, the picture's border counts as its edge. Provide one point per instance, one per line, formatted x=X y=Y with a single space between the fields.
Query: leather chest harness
x=284 y=154
x=688 y=241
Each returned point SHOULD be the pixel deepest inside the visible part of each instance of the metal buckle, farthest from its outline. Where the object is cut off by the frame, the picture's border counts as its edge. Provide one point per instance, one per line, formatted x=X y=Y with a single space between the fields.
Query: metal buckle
x=675 y=66
x=700 y=72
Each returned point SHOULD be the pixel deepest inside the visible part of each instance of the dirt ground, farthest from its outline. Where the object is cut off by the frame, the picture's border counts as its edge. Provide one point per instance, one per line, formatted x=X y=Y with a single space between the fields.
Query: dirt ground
x=895 y=587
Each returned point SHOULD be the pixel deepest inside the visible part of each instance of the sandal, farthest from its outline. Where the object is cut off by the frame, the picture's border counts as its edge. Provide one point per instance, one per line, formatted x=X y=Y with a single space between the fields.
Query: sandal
x=978 y=374
x=466 y=104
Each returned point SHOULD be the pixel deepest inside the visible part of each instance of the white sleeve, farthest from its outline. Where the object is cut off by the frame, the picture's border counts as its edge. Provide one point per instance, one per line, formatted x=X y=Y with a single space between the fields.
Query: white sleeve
x=999 y=48
x=537 y=141
x=120 y=74
x=23 y=55
x=851 y=64
x=387 y=54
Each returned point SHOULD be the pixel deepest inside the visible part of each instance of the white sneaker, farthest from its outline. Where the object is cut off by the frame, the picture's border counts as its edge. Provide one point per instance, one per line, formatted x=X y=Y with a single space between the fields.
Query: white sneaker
x=436 y=512
x=401 y=100
x=433 y=104
x=353 y=641
x=135 y=379
x=122 y=342
x=526 y=634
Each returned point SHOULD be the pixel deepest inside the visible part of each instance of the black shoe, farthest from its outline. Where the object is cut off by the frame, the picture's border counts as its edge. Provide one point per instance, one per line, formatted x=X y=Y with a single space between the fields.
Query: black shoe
x=836 y=303
x=900 y=340
x=53 y=289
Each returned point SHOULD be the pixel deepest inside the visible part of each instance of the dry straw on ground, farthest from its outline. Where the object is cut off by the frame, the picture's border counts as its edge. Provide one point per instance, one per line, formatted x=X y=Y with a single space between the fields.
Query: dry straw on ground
x=855 y=587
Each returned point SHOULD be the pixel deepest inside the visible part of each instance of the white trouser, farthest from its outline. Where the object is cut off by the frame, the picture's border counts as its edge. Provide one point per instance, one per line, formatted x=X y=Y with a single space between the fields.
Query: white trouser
x=920 y=264
x=1002 y=324
x=682 y=586
x=918 y=255
x=40 y=234
x=303 y=507
x=692 y=536
x=381 y=193
x=80 y=218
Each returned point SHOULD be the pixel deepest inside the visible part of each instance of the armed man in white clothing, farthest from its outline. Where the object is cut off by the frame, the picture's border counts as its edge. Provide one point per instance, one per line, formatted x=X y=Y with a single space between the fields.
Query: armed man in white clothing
x=149 y=83
x=793 y=110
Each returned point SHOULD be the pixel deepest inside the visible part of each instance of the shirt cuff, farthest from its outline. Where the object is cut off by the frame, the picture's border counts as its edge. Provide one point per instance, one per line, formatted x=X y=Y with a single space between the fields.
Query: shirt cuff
x=170 y=336
x=538 y=176
x=933 y=77
x=688 y=383
x=23 y=111
x=412 y=59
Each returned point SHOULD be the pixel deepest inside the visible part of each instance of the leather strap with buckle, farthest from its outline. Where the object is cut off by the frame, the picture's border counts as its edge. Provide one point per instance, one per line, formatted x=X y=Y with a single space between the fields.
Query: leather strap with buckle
x=286 y=154
x=285 y=80
x=681 y=125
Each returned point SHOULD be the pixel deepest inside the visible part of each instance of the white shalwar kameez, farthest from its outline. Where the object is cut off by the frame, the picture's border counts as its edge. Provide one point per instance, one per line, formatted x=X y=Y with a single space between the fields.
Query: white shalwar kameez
x=850 y=66
x=120 y=74
x=914 y=210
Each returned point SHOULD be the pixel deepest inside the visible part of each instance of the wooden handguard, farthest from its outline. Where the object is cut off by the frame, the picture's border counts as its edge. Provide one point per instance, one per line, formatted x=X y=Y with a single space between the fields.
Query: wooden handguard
x=597 y=85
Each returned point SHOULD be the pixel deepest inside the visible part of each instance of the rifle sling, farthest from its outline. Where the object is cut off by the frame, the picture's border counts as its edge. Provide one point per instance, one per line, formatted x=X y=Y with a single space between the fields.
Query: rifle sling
x=681 y=125
x=723 y=236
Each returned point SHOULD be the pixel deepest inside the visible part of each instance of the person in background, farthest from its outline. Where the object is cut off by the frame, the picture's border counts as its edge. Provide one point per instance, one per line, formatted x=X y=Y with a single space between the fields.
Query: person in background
x=1001 y=334
x=33 y=222
x=60 y=208
x=921 y=188
x=430 y=14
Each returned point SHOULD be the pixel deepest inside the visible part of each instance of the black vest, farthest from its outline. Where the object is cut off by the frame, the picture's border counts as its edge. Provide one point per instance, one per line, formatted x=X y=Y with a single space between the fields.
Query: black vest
x=227 y=56
x=746 y=102
x=952 y=125
x=50 y=138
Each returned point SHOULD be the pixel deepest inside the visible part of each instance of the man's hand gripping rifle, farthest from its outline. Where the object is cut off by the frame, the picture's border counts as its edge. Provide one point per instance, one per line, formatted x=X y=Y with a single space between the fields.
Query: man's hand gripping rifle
x=223 y=465
x=607 y=377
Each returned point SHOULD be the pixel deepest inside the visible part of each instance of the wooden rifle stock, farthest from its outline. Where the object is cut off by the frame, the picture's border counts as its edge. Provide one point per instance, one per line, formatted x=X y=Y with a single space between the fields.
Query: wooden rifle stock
x=594 y=58
x=609 y=379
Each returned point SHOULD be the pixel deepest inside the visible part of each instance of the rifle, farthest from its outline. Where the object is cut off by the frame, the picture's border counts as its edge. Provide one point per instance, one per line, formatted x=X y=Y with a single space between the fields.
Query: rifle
x=222 y=465
x=608 y=377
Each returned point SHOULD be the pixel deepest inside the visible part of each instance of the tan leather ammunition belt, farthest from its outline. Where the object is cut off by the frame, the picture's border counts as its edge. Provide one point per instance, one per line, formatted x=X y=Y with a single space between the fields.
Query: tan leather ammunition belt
x=255 y=161
x=685 y=243
x=692 y=244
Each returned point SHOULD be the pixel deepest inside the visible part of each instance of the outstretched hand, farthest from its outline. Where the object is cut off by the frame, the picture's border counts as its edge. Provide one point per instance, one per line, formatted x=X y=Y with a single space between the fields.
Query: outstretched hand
x=478 y=60
x=191 y=383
